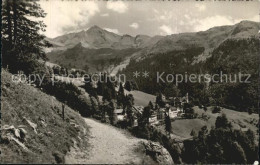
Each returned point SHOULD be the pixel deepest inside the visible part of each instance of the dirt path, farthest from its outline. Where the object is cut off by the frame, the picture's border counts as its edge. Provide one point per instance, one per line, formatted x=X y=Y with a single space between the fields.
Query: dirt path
x=109 y=145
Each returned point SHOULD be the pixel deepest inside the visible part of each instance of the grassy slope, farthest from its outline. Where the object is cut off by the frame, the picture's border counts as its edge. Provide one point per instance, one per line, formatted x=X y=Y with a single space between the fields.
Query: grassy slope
x=182 y=128
x=141 y=98
x=19 y=101
x=96 y=59
x=240 y=120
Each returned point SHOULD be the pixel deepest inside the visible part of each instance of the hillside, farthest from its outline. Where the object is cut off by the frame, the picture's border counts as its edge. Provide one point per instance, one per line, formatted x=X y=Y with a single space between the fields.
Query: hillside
x=32 y=127
x=97 y=45
x=90 y=59
x=141 y=98
x=182 y=128
x=105 y=150
x=208 y=39
x=228 y=49
x=96 y=38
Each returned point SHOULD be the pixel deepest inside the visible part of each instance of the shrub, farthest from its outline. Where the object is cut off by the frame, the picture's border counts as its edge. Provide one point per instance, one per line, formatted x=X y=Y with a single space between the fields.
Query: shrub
x=68 y=92
x=216 y=109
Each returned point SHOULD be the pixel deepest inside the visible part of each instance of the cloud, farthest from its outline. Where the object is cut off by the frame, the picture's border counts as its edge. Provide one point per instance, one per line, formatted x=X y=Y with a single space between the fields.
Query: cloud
x=104 y=15
x=117 y=6
x=62 y=17
x=200 y=7
x=187 y=16
x=112 y=30
x=208 y=22
x=166 y=29
x=156 y=11
x=134 y=25
x=255 y=18
x=163 y=16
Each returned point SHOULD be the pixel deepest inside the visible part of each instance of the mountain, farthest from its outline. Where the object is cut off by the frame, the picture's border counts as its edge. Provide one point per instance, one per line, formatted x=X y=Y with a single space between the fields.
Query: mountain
x=227 y=49
x=208 y=39
x=96 y=38
x=89 y=59
x=141 y=46
x=95 y=49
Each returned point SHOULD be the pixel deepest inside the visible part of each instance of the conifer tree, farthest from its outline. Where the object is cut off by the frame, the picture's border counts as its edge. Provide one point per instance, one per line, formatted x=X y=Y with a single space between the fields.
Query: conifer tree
x=21 y=36
x=129 y=109
x=168 y=124
x=120 y=95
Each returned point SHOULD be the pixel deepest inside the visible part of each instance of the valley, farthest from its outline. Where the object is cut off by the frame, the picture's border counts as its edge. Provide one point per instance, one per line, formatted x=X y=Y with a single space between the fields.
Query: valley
x=120 y=82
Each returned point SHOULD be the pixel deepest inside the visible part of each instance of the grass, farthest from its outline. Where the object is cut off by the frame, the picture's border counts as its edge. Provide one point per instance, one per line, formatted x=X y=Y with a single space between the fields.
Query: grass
x=54 y=137
x=181 y=128
x=141 y=98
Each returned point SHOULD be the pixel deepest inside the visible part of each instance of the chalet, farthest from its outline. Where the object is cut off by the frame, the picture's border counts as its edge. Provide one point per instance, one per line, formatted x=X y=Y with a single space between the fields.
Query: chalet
x=160 y=114
x=153 y=120
x=180 y=101
x=138 y=109
x=120 y=114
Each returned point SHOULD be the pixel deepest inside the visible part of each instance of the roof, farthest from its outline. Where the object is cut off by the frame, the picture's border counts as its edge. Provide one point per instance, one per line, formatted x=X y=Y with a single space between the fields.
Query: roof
x=138 y=108
x=119 y=111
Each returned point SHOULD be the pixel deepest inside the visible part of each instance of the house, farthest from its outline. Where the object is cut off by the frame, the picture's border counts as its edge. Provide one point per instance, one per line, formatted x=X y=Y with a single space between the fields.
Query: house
x=120 y=114
x=153 y=120
x=180 y=101
x=138 y=109
x=160 y=114
x=172 y=108
x=173 y=114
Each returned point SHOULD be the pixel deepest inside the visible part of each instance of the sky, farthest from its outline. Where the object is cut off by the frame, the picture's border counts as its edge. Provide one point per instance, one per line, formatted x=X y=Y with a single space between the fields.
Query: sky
x=144 y=17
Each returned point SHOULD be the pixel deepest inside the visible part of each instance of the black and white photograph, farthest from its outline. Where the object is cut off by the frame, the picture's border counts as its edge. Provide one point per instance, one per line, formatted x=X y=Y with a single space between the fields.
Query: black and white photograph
x=143 y=82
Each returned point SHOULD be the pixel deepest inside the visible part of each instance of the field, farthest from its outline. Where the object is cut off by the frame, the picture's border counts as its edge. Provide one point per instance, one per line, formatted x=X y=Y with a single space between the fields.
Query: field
x=141 y=98
x=182 y=128
x=47 y=137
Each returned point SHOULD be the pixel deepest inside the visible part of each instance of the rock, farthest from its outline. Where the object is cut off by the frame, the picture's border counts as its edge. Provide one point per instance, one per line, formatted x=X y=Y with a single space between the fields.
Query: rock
x=17 y=133
x=33 y=125
x=59 y=157
x=23 y=133
x=10 y=133
x=158 y=153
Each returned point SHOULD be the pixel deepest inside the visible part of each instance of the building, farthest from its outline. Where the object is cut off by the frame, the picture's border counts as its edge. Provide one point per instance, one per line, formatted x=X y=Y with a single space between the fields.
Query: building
x=120 y=114
x=160 y=114
x=138 y=109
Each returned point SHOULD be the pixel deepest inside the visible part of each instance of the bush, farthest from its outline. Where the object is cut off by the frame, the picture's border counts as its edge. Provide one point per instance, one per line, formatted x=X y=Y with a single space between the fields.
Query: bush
x=70 y=93
x=216 y=109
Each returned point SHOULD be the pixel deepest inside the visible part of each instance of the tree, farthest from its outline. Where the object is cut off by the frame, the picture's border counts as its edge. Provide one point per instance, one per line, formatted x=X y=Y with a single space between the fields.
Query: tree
x=146 y=114
x=128 y=86
x=159 y=100
x=151 y=105
x=189 y=111
x=111 y=88
x=20 y=34
x=120 y=95
x=171 y=91
x=222 y=122
x=193 y=133
x=105 y=107
x=168 y=124
x=94 y=105
x=129 y=109
x=111 y=112
x=216 y=109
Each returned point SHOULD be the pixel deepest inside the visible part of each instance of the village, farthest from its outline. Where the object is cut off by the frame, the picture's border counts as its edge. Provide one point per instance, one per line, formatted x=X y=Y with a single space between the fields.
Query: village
x=173 y=108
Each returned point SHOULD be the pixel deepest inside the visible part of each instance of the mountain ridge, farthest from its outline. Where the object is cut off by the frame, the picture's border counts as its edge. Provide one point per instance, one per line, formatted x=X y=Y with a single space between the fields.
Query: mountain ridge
x=144 y=46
